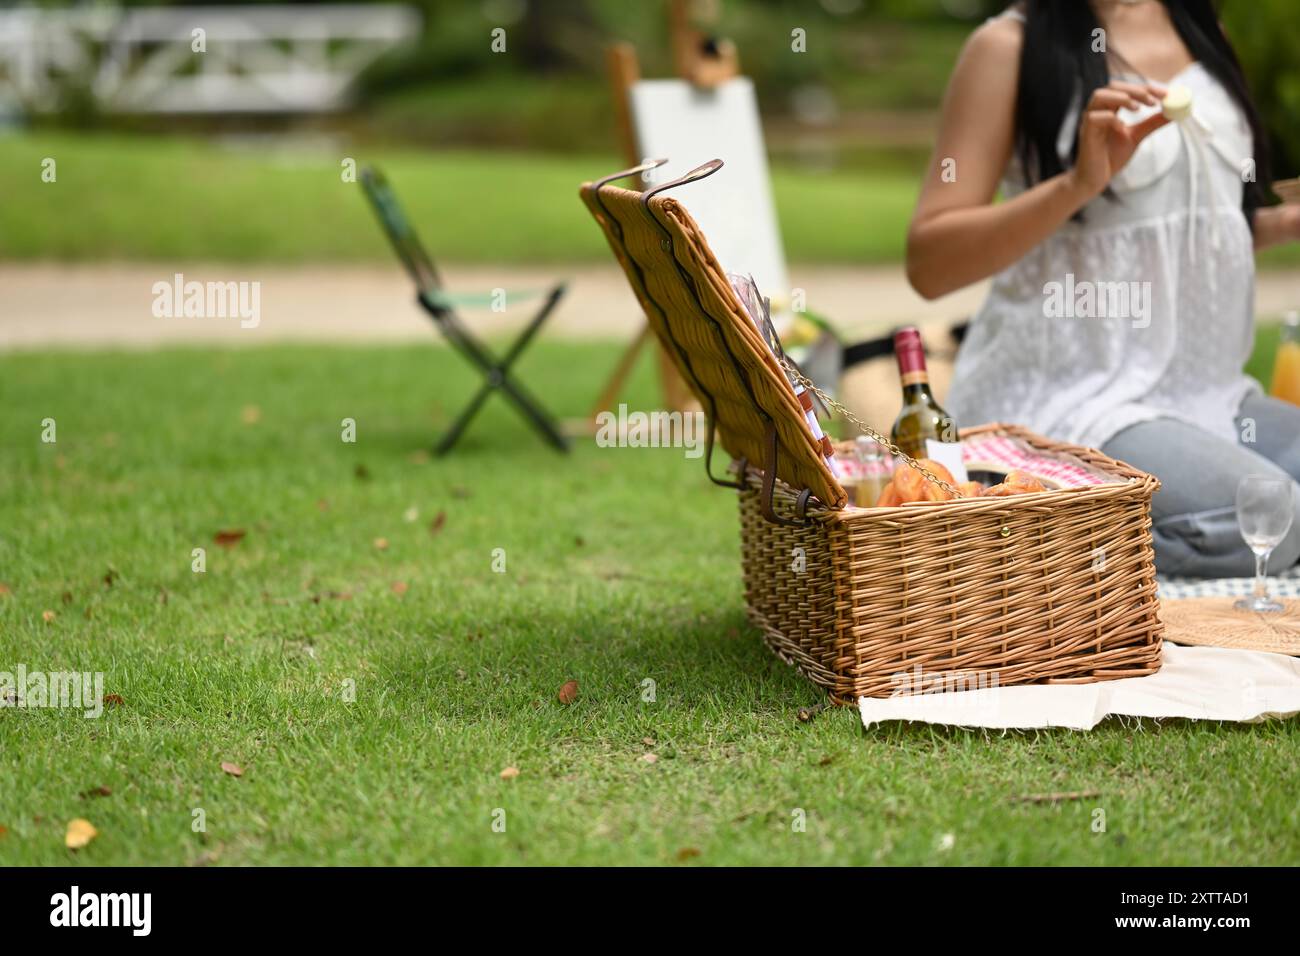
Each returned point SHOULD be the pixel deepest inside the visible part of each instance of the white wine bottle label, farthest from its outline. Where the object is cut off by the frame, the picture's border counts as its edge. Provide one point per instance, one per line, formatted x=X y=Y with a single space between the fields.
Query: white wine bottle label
x=948 y=454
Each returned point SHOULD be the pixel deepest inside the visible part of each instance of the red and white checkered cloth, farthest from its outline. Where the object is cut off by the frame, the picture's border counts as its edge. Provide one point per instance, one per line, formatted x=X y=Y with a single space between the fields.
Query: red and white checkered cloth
x=1005 y=454
x=995 y=453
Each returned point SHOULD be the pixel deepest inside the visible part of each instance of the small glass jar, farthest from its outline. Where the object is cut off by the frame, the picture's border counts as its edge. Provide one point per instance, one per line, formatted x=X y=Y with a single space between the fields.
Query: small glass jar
x=873 y=471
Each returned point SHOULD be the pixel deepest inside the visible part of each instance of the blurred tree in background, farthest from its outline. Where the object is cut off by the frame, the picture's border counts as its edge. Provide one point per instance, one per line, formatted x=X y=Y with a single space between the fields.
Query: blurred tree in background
x=872 y=74
x=1266 y=34
x=863 y=57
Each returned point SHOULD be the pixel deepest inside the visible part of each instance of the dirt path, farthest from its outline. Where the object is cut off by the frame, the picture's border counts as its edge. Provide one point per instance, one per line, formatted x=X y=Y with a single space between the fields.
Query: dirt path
x=112 y=305
x=96 y=305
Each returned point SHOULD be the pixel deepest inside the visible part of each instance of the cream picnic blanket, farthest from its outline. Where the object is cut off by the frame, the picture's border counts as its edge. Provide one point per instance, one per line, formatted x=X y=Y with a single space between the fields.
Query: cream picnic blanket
x=1201 y=683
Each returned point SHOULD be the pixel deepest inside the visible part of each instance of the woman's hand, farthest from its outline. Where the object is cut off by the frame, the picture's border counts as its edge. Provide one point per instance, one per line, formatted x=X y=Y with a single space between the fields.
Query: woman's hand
x=1276 y=225
x=959 y=235
x=1106 y=142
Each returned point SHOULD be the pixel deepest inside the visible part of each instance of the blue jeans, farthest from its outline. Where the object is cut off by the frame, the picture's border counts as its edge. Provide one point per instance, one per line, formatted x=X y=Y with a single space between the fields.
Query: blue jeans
x=1195 y=512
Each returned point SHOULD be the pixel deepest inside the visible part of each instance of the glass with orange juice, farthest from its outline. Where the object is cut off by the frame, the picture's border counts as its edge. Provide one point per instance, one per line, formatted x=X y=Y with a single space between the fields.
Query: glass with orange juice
x=1286 y=368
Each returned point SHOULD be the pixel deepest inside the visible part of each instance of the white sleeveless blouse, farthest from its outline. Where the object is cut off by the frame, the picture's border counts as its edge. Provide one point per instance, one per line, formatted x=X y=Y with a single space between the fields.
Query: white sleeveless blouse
x=1143 y=310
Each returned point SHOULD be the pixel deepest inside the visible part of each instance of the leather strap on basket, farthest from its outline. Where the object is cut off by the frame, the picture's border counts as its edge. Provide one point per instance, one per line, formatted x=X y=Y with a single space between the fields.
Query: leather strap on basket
x=769 y=484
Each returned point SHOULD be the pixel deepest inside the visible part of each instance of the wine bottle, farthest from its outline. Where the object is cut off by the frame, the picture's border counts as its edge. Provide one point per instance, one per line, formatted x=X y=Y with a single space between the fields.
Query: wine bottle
x=922 y=420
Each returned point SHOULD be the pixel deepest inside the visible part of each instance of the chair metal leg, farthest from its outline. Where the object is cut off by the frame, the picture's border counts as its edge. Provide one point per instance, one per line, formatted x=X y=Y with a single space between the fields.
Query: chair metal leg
x=526 y=404
x=497 y=375
x=463 y=419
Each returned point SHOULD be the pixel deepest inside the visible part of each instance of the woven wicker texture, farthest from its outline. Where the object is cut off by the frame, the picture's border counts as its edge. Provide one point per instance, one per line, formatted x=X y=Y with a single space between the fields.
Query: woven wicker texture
x=1055 y=587
x=696 y=315
x=1214 y=622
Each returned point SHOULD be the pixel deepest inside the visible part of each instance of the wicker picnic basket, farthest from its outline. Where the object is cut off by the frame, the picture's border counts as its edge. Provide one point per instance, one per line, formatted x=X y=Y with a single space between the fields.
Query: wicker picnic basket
x=864 y=601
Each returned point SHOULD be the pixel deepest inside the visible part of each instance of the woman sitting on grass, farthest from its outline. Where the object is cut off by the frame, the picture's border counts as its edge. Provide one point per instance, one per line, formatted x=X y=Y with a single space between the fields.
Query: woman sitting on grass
x=1121 y=312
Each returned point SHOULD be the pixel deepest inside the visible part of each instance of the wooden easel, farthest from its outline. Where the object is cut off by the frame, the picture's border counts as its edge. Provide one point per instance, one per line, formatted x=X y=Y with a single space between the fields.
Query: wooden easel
x=703 y=60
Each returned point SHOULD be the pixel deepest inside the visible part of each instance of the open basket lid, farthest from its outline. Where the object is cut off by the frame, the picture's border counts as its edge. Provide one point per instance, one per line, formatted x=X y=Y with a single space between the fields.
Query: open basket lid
x=705 y=329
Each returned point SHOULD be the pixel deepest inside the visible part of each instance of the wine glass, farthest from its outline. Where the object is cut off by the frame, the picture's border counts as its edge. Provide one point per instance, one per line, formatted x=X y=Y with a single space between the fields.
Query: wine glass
x=1264 y=512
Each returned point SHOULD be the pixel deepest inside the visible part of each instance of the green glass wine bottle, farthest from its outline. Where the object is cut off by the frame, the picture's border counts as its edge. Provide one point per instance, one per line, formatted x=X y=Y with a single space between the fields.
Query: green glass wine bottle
x=922 y=419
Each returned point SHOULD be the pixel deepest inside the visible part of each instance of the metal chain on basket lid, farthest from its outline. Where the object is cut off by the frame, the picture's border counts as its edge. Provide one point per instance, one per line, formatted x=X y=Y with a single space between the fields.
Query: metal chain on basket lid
x=759 y=309
x=839 y=408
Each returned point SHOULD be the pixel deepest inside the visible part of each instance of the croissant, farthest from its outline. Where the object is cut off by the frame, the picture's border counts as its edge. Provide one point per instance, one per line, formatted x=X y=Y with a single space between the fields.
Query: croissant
x=1024 y=480
x=1001 y=491
x=909 y=486
x=1016 y=483
x=936 y=469
x=921 y=488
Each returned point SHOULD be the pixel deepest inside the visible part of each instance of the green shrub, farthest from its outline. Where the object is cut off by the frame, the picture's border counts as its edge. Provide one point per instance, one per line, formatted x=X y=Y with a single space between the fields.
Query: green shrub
x=1266 y=34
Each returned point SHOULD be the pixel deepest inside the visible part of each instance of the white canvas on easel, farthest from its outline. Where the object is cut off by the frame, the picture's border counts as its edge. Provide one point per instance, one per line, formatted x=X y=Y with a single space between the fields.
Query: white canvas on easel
x=690 y=125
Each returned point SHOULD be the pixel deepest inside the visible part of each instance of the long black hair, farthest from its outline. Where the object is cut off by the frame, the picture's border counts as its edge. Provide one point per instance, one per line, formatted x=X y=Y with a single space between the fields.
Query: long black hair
x=1058 y=62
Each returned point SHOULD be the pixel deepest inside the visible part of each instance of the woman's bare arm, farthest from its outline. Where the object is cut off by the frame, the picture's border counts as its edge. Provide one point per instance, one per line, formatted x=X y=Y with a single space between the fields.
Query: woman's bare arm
x=1275 y=225
x=958 y=234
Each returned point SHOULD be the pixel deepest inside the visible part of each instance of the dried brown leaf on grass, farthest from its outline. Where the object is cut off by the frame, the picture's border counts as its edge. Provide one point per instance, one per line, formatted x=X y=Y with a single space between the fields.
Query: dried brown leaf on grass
x=1058 y=797
x=229 y=537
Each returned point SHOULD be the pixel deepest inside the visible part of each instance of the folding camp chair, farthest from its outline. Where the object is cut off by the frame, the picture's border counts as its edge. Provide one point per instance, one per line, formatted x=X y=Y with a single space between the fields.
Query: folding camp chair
x=442 y=308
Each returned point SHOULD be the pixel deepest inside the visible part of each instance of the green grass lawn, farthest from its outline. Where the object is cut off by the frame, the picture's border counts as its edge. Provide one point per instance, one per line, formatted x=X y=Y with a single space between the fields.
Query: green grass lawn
x=174 y=199
x=621 y=567
x=171 y=199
